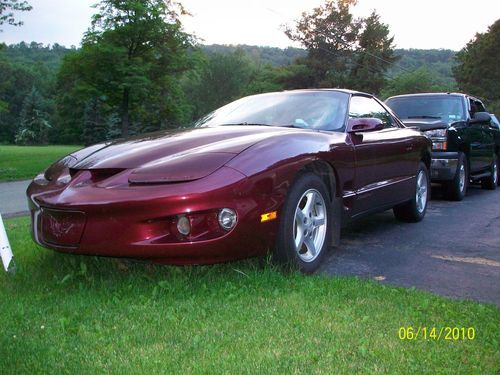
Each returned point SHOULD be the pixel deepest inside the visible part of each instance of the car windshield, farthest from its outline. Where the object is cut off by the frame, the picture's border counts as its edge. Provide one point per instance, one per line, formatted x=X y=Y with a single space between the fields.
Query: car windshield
x=440 y=107
x=322 y=110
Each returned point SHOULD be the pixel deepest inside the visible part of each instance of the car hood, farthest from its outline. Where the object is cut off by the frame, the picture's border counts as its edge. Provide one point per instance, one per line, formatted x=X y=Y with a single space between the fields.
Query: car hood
x=173 y=156
x=424 y=124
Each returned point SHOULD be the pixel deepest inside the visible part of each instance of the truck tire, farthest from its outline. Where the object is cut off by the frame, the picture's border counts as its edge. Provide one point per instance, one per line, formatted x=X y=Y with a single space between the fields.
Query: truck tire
x=498 y=169
x=457 y=188
x=491 y=181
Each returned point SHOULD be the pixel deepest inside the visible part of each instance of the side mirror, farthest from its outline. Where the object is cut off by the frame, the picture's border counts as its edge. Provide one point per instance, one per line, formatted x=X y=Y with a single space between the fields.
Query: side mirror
x=366 y=124
x=480 y=117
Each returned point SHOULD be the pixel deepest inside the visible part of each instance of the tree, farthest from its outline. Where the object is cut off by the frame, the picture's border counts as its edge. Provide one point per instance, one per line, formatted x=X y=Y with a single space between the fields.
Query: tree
x=219 y=79
x=6 y=8
x=419 y=80
x=374 y=56
x=344 y=51
x=477 y=71
x=34 y=125
x=289 y=77
x=130 y=58
x=94 y=126
x=329 y=34
x=16 y=82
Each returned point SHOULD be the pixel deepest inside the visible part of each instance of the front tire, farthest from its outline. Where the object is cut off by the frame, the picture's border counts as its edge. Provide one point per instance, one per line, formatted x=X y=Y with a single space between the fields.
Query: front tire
x=414 y=210
x=491 y=182
x=304 y=234
x=457 y=188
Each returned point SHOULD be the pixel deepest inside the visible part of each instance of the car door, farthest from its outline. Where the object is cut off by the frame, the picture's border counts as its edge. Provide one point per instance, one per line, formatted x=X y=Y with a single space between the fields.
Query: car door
x=480 y=140
x=385 y=159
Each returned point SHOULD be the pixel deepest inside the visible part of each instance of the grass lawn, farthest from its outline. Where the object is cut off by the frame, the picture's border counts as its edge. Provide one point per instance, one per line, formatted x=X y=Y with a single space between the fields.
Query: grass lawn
x=72 y=314
x=23 y=162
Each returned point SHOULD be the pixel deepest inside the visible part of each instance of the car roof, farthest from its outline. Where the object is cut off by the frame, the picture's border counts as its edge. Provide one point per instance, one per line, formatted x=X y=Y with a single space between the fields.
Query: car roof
x=436 y=94
x=429 y=94
x=347 y=91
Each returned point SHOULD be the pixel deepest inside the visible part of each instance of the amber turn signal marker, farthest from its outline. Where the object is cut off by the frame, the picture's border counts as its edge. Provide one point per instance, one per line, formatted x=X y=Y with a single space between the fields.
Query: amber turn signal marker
x=268 y=216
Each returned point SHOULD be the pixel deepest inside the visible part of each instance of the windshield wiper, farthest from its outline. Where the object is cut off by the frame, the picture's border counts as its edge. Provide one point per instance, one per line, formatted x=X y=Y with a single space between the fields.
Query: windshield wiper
x=257 y=124
x=292 y=126
x=425 y=116
x=245 y=123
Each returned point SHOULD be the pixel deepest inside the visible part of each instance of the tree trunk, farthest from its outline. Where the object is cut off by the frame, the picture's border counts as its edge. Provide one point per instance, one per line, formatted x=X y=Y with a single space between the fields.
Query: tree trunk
x=125 y=114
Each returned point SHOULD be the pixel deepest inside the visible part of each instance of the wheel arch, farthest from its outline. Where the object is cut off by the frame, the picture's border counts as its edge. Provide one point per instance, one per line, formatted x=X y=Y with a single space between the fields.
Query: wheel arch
x=465 y=148
x=327 y=173
x=426 y=158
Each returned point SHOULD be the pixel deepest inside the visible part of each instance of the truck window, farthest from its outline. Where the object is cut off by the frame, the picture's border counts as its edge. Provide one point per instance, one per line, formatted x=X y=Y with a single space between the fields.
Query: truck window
x=446 y=108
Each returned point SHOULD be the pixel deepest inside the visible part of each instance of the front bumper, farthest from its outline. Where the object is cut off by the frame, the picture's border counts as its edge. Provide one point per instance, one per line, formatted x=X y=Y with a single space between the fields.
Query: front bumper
x=134 y=222
x=444 y=166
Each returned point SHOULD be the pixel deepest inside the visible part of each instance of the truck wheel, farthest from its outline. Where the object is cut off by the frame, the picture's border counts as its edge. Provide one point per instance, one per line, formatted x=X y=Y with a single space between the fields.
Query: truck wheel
x=457 y=188
x=414 y=210
x=498 y=170
x=491 y=182
x=304 y=234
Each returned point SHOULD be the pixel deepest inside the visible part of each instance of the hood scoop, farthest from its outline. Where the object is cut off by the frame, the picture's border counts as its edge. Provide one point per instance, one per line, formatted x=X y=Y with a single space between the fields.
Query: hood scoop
x=97 y=175
x=188 y=167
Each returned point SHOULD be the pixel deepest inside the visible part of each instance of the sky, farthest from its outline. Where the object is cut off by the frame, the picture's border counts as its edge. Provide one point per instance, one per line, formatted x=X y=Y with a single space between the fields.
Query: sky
x=422 y=24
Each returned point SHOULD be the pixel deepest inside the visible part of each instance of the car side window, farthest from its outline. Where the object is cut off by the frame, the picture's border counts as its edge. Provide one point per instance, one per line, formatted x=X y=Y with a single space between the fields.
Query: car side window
x=476 y=106
x=362 y=106
x=480 y=107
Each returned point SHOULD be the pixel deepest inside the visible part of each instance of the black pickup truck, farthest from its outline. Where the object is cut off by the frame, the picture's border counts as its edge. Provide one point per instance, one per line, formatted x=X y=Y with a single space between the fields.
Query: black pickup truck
x=465 y=144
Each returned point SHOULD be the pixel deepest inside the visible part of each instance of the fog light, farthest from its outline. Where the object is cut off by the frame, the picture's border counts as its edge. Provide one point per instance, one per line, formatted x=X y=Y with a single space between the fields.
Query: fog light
x=227 y=218
x=183 y=225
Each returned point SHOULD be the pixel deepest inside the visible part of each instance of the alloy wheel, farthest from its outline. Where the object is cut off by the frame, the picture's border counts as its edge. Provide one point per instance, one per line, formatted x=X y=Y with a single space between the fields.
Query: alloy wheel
x=421 y=192
x=310 y=224
x=462 y=177
x=495 y=172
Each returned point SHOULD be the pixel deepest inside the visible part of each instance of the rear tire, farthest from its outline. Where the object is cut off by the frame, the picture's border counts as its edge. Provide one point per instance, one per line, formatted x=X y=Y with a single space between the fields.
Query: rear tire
x=304 y=234
x=414 y=210
x=457 y=188
x=491 y=182
x=498 y=169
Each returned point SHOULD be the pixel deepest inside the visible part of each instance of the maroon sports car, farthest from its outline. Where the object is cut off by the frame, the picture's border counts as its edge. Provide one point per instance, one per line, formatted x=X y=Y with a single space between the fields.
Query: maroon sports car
x=277 y=172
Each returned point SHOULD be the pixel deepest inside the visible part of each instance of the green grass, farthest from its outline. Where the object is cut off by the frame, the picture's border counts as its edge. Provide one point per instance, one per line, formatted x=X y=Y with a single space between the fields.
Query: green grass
x=23 y=162
x=71 y=314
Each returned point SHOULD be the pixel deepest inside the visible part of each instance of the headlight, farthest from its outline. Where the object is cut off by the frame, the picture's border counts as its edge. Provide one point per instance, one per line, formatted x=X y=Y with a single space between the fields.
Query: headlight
x=227 y=218
x=183 y=225
x=439 y=138
x=436 y=133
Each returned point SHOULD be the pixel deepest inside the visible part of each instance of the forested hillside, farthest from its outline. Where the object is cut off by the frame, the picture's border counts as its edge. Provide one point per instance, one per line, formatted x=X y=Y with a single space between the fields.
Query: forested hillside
x=133 y=75
x=265 y=55
x=438 y=61
x=29 y=74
